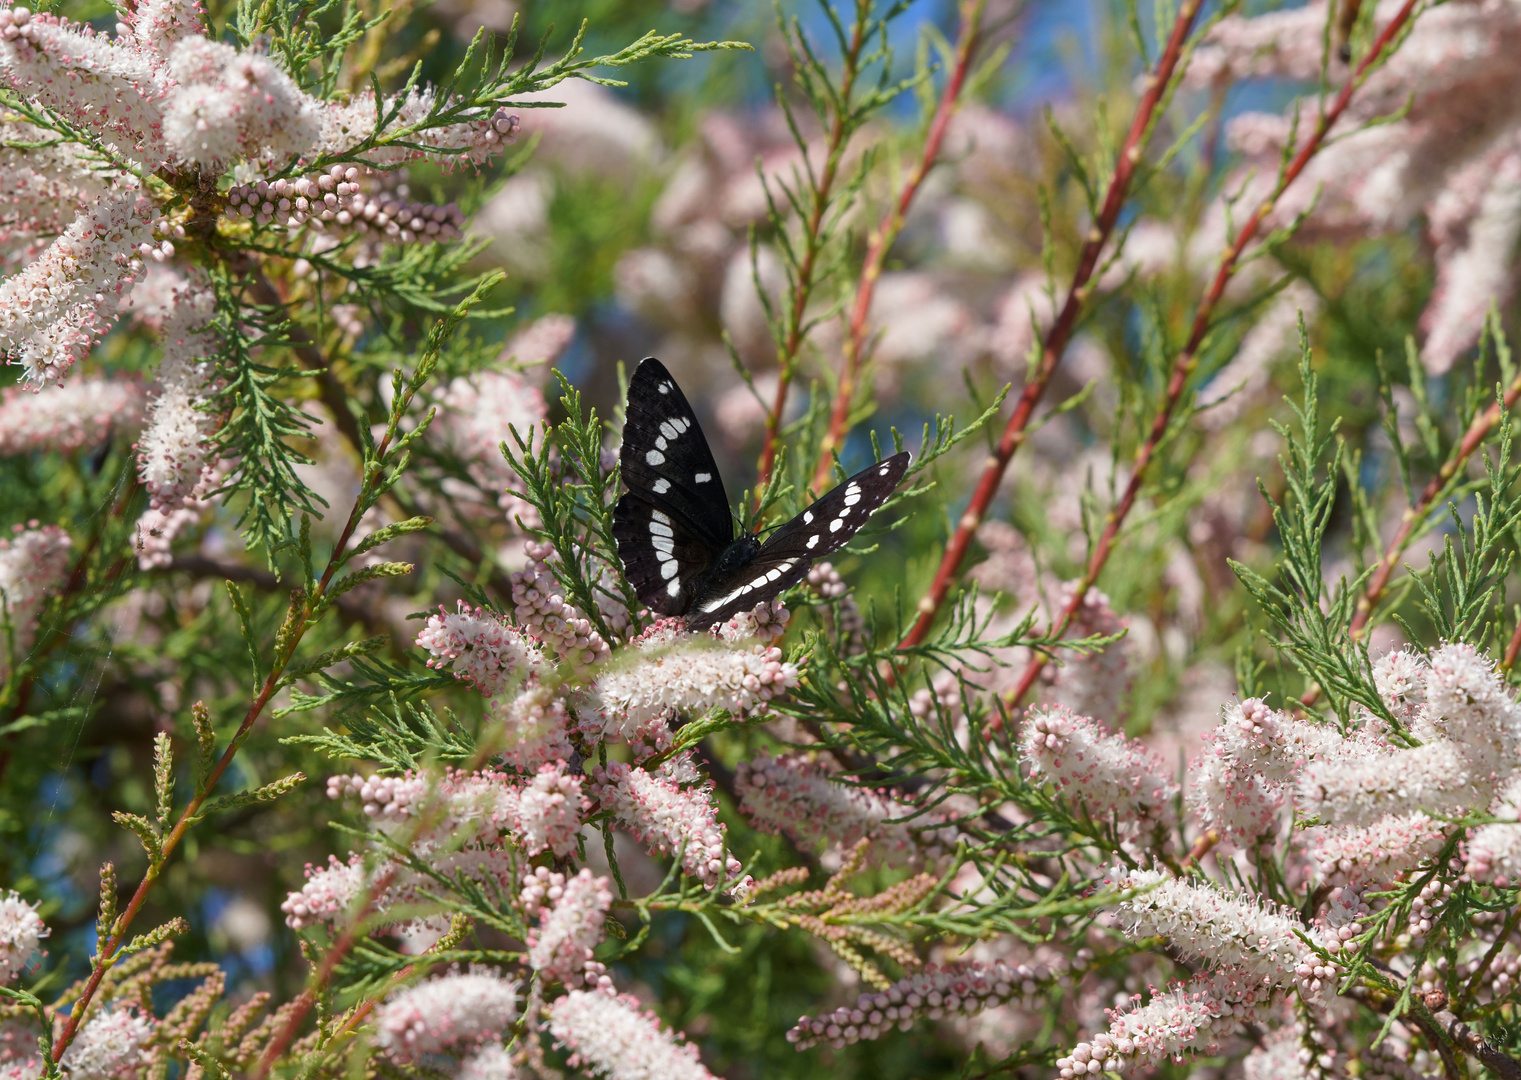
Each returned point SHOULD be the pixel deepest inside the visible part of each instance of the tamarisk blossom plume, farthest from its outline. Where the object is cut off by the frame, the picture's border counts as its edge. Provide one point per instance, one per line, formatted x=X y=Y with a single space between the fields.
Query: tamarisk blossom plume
x=479 y=648
x=1447 y=146
x=667 y=818
x=571 y=914
x=1188 y=1019
x=935 y=992
x=457 y=823
x=1113 y=778
x=1239 y=784
x=543 y=341
x=480 y=412
x=1249 y=939
x=21 y=934
x=66 y=418
x=795 y=796
x=1494 y=851
x=112 y=1045
x=454 y=1012
x=541 y=609
x=535 y=726
x=547 y=814
x=43 y=186
x=667 y=670
x=232 y=105
x=490 y=1062
x=612 y=1036
x=103 y=86
x=33 y=562
x=54 y=309
x=348 y=123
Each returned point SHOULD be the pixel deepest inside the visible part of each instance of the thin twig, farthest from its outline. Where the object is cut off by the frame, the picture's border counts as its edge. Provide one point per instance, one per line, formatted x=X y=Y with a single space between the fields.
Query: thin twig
x=882 y=238
x=812 y=241
x=1057 y=338
x=1188 y=358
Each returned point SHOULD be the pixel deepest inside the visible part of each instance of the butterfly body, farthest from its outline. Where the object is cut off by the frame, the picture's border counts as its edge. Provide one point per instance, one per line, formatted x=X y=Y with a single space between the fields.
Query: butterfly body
x=674 y=529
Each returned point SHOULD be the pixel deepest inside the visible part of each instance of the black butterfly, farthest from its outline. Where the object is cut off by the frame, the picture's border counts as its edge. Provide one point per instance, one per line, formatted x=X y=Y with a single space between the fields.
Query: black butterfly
x=673 y=527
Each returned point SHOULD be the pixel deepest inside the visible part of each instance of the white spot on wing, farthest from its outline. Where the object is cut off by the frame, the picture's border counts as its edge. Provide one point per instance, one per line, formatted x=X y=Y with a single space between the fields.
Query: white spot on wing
x=659 y=442
x=657 y=529
x=662 y=485
x=807 y=517
x=657 y=515
x=852 y=495
x=673 y=590
x=668 y=570
x=836 y=524
x=668 y=429
x=702 y=477
x=663 y=545
x=665 y=388
x=812 y=540
x=654 y=457
x=884 y=470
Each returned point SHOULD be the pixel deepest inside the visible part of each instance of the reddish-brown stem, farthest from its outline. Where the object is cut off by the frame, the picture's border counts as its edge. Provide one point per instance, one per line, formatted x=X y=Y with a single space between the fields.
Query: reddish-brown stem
x=1187 y=360
x=812 y=243
x=1060 y=334
x=106 y=954
x=886 y=232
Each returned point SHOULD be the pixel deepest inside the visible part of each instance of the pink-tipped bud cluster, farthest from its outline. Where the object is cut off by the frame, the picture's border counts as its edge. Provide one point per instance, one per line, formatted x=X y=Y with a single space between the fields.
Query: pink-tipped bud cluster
x=549 y=809
x=541 y=609
x=571 y=914
x=798 y=797
x=327 y=894
x=667 y=818
x=936 y=992
x=1189 y=1019
x=336 y=199
x=766 y=622
x=455 y=1012
x=1114 y=779
x=479 y=648
x=535 y=726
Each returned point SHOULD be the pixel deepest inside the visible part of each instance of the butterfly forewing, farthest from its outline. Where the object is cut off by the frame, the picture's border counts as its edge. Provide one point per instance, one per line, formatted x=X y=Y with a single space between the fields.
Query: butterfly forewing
x=674 y=520
x=785 y=558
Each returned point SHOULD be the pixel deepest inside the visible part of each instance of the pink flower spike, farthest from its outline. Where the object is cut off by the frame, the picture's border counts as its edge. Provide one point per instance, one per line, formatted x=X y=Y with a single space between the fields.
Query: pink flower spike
x=613 y=1037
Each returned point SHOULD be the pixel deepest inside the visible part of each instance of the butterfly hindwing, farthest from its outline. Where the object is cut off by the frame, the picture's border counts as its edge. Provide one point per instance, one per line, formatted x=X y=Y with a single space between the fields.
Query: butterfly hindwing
x=673 y=522
x=833 y=519
x=785 y=559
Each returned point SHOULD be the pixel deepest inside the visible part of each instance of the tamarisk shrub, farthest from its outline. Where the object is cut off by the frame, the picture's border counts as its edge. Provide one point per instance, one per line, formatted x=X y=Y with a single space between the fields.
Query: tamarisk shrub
x=1159 y=724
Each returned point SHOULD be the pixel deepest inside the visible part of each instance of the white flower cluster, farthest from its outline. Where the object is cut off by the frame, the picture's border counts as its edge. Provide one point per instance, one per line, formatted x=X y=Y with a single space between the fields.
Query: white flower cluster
x=53 y=310
x=667 y=672
x=114 y=1044
x=479 y=648
x=668 y=818
x=1114 y=779
x=936 y=992
x=453 y=1012
x=21 y=934
x=571 y=915
x=70 y=417
x=797 y=796
x=613 y=1036
x=33 y=562
x=540 y=607
x=1241 y=934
